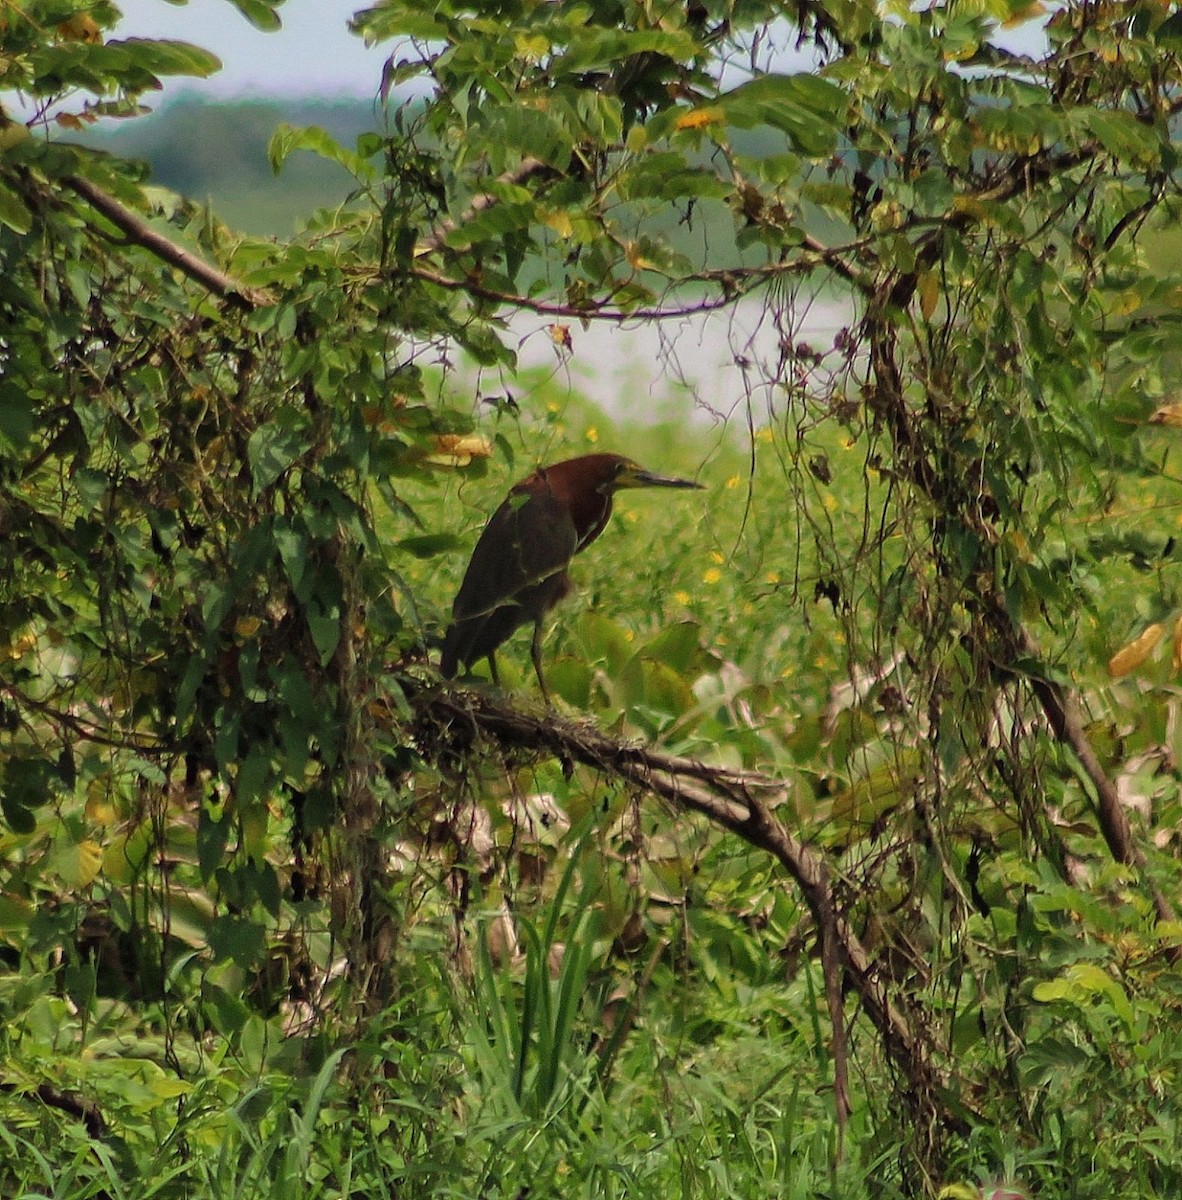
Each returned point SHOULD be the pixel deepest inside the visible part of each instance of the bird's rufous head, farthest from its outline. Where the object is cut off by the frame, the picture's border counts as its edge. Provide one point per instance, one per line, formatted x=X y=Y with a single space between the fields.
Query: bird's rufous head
x=615 y=472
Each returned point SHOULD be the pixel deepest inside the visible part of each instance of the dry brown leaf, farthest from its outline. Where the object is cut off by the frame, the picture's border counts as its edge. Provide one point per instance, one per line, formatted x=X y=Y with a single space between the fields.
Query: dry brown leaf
x=929 y=294
x=81 y=27
x=1130 y=656
x=1168 y=414
x=459 y=449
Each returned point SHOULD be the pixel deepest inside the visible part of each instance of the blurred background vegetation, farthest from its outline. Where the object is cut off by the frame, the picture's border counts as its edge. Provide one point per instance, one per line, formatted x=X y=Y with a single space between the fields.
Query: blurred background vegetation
x=216 y=151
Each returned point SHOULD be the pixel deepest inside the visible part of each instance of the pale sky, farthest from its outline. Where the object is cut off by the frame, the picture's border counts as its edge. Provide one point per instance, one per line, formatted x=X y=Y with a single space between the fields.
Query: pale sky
x=314 y=54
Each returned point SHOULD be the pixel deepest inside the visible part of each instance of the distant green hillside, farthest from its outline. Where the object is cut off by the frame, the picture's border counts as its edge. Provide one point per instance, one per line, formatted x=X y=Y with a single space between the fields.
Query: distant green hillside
x=218 y=152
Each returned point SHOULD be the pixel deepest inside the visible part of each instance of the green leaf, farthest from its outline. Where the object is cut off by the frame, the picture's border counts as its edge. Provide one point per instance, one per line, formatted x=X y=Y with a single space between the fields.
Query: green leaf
x=810 y=110
x=530 y=132
x=492 y=224
x=431 y=544
x=679 y=647
x=16 y=416
x=380 y=23
x=26 y=782
x=212 y=839
x=14 y=212
x=19 y=818
x=287 y=139
x=77 y=863
x=253 y=774
x=165 y=57
x=260 y=13
x=1170 y=30
x=292 y=543
x=275 y=445
x=326 y=633
x=599 y=47
x=668 y=176
x=239 y=939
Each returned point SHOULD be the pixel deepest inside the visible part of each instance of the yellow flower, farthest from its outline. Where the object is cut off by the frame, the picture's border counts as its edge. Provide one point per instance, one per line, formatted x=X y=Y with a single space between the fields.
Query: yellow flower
x=592 y=434
x=772 y=577
x=715 y=557
x=734 y=481
x=712 y=575
x=681 y=597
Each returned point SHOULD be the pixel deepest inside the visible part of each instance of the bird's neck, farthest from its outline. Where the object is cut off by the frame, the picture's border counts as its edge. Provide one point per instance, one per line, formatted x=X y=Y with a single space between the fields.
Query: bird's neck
x=590 y=509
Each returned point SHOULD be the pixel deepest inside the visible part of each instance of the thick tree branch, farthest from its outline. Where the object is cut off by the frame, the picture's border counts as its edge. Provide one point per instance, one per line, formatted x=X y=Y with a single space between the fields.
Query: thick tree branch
x=739 y=801
x=137 y=230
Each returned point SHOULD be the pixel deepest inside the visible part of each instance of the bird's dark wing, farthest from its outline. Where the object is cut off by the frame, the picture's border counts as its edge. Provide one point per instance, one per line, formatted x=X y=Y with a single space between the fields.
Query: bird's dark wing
x=527 y=541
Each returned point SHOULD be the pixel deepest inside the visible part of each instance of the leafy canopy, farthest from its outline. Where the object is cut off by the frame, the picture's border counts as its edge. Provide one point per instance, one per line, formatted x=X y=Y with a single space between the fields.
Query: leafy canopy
x=937 y=643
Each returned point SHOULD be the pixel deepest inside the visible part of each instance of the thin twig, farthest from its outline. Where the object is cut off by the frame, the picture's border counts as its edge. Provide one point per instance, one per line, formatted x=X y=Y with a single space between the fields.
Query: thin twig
x=437 y=238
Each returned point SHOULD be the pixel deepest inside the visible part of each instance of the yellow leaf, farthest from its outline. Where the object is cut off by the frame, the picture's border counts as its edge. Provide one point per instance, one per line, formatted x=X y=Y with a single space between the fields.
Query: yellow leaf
x=929 y=293
x=533 y=46
x=100 y=808
x=971 y=207
x=1178 y=644
x=887 y=215
x=12 y=133
x=81 y=27
x=1168 y=414
x=458 y=449
x=1022 y=15
x=559 y=220
x=20 y=646
x=560 y=336
x=1125 y=302
x=247 y=627
x=1129 y=657
x=698 y=118
x=78 y=864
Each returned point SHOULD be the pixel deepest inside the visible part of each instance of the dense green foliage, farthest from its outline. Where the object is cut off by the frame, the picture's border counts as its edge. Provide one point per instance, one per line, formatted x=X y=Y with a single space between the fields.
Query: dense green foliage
x=882 y=902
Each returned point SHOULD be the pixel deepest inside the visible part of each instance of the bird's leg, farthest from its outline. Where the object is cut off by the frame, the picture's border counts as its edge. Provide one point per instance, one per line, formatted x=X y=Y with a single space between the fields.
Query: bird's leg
x=535 y=651
x=492 y=668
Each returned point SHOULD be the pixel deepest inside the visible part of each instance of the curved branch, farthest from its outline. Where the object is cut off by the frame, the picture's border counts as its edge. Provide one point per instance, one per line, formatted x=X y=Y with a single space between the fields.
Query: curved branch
x=735 y=282
x=1062 y=712
x=741 y=802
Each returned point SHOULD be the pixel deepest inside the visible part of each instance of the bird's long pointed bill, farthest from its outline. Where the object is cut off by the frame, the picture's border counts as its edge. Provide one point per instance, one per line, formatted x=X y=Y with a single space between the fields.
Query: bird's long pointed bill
x=642 y=478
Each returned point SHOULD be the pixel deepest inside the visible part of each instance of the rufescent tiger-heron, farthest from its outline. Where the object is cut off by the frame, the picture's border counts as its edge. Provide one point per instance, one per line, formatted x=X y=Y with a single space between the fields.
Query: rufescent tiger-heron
x=518 y=571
